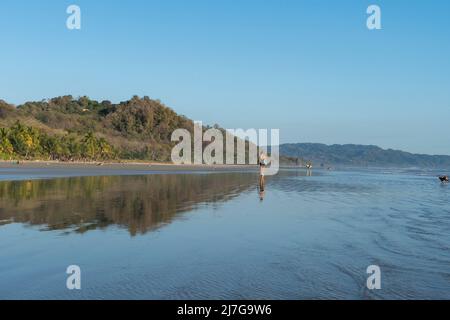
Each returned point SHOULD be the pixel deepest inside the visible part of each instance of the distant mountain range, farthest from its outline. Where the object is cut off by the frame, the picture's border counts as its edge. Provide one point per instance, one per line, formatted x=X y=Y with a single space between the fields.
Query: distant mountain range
x=359 y=155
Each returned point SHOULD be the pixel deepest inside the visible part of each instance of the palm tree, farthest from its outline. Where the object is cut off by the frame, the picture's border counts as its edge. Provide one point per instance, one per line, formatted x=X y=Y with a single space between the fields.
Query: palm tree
x=6 y=147
x=105 y=148
x=90 y=145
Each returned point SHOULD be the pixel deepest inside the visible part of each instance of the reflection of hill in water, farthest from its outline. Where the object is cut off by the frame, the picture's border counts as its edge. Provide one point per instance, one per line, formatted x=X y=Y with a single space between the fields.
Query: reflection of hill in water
x=139 y=203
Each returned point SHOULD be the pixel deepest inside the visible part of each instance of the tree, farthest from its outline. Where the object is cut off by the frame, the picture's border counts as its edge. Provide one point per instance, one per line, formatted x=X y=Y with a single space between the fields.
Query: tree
x=74 y=147
x=90 y=146
x=6 y=147
x=32 y=142
x=106 y=151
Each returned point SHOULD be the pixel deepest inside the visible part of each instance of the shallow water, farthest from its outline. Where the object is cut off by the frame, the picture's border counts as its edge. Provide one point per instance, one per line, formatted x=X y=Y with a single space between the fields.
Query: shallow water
x=211 y=236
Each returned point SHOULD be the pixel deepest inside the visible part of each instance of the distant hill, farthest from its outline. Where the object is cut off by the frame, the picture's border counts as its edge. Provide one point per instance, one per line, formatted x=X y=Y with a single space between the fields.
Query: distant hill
x=360 y=155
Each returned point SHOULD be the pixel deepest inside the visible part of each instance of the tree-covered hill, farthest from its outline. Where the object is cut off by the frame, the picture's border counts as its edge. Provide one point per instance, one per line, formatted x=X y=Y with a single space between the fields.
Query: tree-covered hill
x=65 y=128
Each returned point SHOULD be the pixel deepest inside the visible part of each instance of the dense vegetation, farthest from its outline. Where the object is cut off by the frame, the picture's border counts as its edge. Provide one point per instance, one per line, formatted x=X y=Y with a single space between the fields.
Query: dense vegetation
x=360 y=155
x=65 y=128
x=26 y=142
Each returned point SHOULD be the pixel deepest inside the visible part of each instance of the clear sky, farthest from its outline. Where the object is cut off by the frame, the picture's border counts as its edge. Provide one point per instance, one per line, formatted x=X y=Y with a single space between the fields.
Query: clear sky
x=310 y=68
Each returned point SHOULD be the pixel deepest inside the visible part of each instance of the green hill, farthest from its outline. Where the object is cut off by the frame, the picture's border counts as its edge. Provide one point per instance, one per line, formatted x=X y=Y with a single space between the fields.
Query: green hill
x=65 y=128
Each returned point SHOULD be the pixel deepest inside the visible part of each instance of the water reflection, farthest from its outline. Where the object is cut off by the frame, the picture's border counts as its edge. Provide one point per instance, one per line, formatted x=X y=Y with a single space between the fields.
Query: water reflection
x=261 y=188
x=138 y=203
x=311 y=238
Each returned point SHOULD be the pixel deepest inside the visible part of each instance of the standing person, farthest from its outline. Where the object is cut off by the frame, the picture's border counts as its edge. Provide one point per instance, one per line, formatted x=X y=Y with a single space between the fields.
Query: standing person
x=262 y=165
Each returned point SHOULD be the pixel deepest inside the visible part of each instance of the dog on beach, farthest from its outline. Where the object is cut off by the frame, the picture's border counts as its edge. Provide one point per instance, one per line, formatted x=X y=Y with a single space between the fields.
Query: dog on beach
x=443 y=178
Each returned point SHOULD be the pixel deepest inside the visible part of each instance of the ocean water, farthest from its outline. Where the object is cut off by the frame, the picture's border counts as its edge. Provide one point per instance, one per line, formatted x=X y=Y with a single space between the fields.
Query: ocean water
x=309 y=235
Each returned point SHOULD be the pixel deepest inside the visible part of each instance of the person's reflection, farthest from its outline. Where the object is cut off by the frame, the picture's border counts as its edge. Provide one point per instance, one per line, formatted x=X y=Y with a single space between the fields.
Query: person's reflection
x=262 y=182
x=262 y=186
x=262 y=194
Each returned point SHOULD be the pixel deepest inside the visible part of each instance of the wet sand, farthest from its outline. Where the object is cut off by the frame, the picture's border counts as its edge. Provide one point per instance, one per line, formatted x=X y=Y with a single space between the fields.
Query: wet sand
x=12 y=170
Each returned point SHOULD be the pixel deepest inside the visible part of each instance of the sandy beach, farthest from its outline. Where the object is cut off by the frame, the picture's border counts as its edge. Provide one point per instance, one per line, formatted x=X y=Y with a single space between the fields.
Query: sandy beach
x=23 y=170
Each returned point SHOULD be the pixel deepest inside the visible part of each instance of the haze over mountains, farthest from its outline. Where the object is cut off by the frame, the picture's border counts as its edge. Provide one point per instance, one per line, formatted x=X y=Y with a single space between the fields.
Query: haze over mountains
x=361 y=155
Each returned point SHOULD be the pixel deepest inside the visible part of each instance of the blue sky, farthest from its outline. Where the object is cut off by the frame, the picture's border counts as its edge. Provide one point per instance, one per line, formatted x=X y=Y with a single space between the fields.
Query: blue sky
x=310 y=68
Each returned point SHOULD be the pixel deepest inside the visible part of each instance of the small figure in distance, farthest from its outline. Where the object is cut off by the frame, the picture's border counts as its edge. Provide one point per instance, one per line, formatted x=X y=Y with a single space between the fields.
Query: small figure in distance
x=444 y=179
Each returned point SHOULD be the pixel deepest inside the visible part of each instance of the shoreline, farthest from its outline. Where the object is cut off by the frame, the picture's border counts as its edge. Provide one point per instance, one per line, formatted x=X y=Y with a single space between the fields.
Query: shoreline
x=35 y=164
x=33 y=170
